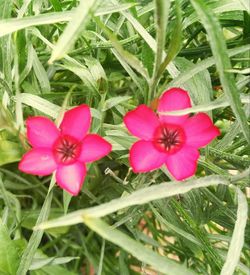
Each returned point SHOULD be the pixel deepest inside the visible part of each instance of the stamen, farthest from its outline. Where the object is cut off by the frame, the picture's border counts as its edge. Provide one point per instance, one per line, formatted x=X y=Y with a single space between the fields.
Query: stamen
x=67 y=150
x=169 y=138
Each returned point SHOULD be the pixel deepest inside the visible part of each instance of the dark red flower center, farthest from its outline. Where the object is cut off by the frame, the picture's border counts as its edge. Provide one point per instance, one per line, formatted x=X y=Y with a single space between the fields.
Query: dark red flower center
x=169 y=138
x=66 y=149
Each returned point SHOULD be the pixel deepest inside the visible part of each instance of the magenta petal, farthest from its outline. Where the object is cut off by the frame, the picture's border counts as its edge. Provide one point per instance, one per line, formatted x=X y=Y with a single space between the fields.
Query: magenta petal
x=173 y=100
x=71 y=177
x=144 y=157
x=94 y=147
x=183 y=164
x=41 y=132
x=200 y=130
x=76 y=122
x=38 y=161
x=142 y=122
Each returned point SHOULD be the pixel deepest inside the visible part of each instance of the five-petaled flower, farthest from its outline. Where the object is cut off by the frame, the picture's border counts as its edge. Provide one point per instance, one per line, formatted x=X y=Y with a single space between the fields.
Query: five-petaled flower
x=65 y=150
x=167 y=139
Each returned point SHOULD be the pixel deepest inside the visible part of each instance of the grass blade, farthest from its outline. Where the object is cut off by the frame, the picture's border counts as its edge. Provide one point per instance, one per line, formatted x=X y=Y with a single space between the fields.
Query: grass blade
x=131 y=59
x=36 y=236
x=206 y=63
x=219 y=103
x=222 y=62
x=9 y=26
x=73 y=29
x=141 y=196
x=237 y=241
x=144 y=254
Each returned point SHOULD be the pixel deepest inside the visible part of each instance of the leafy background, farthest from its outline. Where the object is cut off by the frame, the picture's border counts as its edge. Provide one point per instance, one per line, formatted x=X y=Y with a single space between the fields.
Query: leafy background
x=114 y=55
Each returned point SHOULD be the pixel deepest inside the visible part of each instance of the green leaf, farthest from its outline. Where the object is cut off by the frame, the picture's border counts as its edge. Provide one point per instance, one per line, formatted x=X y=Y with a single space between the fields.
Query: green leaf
x=40 y=104
x=38 y=263
x=202 y=65
x=82 y=72
x=139 y=28
x=131 y=59
x=101 y=258
x=218 y=103
x=219 y=7
x=66 y=201
x=9 y=26
x=108 y=9
x=9 y=257
x=147 y=57
x=237 y=242
x=111 y=102
x=147 y=37
x=36 y=236
x=125 y=65
x=141 y=196
x=139 y=251
x=74 y=28
x=40 y=72
x=199 y=86
x=9 y=151
x=222 y=62
x=53 y=269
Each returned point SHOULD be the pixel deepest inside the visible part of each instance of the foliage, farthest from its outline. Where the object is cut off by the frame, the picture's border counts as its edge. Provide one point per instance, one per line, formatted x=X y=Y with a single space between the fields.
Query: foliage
x=114 y=55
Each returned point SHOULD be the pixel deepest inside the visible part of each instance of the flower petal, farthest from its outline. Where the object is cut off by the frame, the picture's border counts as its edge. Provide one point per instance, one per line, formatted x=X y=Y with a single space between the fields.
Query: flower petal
x=183 y=164
x=41 y=132
x=71 y=177
x=200 y=130
x=38 y=161
x=173 y=100
x=76 y=122
x=144 y=157
x=94 y=147
x=142 y=122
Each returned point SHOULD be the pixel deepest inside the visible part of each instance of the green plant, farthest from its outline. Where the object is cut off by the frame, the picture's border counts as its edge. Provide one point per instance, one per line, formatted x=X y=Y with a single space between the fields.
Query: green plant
x=114 y=55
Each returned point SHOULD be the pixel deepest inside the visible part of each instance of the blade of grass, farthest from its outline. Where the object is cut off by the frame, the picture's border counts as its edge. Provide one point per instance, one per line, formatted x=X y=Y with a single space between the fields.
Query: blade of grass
x=40 y=72
x=139 y=251
x=222 y=62
x=131 y=59
x=219 y=7
x=11 y=25
x=218 y=103
x=19 y=109
x=139 y=28
x=36 y=237
x=174 y=228
x=73 y=29
x=237 y=241
x=125 y=65
x=101 y=258
x=6 y=44
x=148 y=39
x=141 y=196
x=40 y=104
x=206 y=63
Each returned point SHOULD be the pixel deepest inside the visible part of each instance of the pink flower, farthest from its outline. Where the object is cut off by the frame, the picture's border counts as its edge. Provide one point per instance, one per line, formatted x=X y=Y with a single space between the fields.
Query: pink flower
x=65 y=150
x=169 y=140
